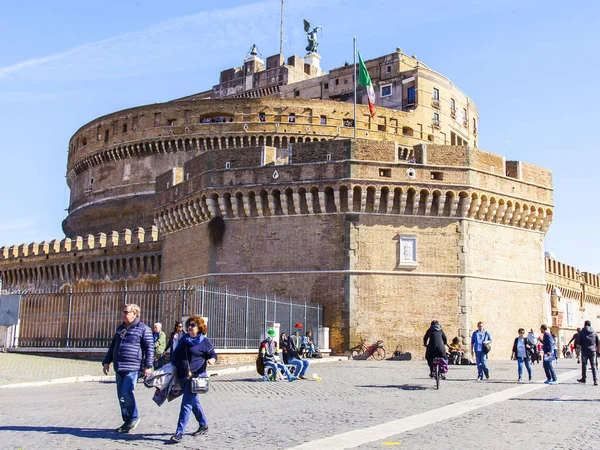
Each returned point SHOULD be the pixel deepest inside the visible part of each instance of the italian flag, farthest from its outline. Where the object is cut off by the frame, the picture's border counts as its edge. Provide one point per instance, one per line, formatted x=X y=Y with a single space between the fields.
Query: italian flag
x=365 y=80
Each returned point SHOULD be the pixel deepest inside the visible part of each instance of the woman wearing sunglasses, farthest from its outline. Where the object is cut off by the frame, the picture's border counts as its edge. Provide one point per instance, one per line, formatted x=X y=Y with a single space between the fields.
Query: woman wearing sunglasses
x=190 y=357
x=521 y=351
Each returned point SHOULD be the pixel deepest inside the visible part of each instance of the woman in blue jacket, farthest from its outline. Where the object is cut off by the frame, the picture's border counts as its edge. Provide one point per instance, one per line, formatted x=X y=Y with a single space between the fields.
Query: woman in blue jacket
x=190 y=357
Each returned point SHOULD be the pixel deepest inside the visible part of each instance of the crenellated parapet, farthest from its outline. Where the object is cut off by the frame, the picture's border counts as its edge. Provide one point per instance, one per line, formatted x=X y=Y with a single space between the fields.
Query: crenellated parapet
x=354 y=177
x=128 y=254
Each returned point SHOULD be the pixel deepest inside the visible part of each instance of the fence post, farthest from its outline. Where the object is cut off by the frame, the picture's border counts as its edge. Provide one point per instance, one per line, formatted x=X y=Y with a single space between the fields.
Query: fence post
x=183 y=292
x=202 y=294
x=265 y=329
x=246 y=332
x=305 y=325
x=275 y=308
x=225 y=320
x=70 y=304
x=291 y=307
x=125 y=294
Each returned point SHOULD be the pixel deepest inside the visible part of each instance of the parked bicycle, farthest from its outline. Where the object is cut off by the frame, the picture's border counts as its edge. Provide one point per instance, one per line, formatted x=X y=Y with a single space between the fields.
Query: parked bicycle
x=440 y=368
x=364 y=351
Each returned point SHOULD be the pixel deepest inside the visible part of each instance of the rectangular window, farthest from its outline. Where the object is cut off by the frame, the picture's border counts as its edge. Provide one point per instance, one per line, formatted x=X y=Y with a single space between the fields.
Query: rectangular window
x=292 y=118
x=410 y=94
x=386 y=173
x=388 y=69
x=436 y=120
x=99 y=133
x=124 y=128
x=452 y=107
x=106 y=136
x=326 y=86
x=437 y=176
x=349 y=122
x=134 y=123
x=157 y=119
x=337 y=82
x=465 y=123
x=296 y=93
x=323 y=120
x=407 y=251
x=386 y=90
x=171 y=122
x=261 y=117
x=436 y=94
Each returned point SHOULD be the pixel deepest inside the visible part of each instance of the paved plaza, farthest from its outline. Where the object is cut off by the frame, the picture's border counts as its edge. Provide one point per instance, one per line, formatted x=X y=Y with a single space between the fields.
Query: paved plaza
x=357 y=404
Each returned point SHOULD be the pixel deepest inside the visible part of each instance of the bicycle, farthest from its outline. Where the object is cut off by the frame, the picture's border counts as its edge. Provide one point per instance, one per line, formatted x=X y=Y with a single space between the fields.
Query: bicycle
x=364 y=351
x=437 y=374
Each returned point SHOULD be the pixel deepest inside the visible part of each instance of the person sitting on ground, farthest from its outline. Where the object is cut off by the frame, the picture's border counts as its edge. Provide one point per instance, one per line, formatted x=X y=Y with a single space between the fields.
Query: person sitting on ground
x=435 y=340
x=269 y=354
x=293 y=355
x=308 y=344
x=457 y=353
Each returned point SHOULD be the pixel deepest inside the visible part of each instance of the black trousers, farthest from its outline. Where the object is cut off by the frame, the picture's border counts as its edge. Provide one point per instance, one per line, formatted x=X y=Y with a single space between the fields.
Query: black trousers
x=584 y=360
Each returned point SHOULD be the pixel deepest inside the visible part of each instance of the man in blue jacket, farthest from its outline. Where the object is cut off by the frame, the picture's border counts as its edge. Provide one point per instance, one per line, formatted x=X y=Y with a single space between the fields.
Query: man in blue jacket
x=131 y=349
x=479 y=338
x=547 y=344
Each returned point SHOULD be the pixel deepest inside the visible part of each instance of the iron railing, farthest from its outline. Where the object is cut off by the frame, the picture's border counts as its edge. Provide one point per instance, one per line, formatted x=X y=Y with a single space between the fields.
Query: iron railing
x=87 y=317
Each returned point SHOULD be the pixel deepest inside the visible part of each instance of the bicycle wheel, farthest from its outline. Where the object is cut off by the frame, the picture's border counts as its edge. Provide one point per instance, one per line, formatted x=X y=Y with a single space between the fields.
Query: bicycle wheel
x=357 y=353
x=437 y=376
x=379 y=354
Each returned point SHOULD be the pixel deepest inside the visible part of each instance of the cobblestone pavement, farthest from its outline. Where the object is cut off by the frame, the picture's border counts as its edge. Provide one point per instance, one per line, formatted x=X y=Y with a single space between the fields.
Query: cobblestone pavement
x=353 y=395
x=20 y=368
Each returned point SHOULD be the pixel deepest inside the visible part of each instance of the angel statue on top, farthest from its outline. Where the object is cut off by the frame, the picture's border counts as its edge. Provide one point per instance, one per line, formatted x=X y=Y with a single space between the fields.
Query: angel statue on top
x=311 y=35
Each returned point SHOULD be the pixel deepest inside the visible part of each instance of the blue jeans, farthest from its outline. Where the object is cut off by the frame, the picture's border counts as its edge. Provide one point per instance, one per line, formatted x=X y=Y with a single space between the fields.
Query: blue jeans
x=189 y=404
x=482 y=368
x=125 y=387
x=301 y=366
x=549 y=369
x=520 y=362
x=275 y=366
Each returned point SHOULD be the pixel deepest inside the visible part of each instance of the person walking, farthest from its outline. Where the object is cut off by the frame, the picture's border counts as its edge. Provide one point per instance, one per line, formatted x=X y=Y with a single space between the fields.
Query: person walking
x=532 y=340
x=577 y=346
x=435 y=340
x=588 y=342
x=479 y=339
x=521 y=351
x=190 y=358
x=160 y=342
x=132 y=348
x=547 y=344
x=174 y=337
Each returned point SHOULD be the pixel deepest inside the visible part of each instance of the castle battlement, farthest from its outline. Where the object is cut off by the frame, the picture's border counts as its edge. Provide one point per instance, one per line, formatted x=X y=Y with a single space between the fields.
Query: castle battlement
x=128 y=254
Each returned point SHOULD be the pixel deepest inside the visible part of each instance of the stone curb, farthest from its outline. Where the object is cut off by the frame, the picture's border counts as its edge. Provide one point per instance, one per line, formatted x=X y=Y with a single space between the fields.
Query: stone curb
x=90 y=378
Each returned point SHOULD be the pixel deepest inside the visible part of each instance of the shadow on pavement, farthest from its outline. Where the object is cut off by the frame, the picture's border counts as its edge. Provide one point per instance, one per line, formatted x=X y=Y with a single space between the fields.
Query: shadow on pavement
x=404 y=387
x=95 y=433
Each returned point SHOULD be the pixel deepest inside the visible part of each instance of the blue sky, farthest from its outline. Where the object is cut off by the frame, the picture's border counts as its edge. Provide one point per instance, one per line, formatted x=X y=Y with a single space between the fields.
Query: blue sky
x=531 y=68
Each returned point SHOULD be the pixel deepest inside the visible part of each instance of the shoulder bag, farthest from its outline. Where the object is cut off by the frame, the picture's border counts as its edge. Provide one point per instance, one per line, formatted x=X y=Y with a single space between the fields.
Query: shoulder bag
x=199 y=384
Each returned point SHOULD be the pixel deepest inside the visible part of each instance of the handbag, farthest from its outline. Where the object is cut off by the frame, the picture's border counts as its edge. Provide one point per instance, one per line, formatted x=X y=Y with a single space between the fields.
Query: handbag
x=486 y=348
x=199 y=384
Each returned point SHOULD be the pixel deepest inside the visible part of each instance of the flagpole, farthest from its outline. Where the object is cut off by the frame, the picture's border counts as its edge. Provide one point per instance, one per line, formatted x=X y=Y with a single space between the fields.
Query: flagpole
x=355 y=81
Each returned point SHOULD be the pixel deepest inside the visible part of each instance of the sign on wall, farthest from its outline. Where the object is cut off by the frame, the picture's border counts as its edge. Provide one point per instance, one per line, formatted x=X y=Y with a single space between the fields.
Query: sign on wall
x=570 y=314
x=9 y=310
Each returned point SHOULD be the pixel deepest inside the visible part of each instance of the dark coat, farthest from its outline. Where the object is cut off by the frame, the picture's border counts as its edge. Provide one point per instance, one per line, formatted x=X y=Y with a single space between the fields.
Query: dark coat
x=528 y=347
x=435 y=340
x=588 y=340
x=191 y=354
x=294 y=346
x=132 y=348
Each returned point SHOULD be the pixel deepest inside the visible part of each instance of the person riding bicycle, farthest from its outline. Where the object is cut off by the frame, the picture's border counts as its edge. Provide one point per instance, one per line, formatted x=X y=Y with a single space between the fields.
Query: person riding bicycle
x=435 y=341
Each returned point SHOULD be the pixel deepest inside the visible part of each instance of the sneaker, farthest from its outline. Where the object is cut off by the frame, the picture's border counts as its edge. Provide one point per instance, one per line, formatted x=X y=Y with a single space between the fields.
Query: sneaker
x=595 y=383
x=487 y=376
x=529 y=378
x=553 y=382
x=479 y=379
x=201 y=430
x=176 y=437
x=292 y=379
x=123 y=428
x=133 y=425
x=431 y=375
x=302 y=377
x=519 y=380
x=547 y=381
x=581 y=380
x=442 y=376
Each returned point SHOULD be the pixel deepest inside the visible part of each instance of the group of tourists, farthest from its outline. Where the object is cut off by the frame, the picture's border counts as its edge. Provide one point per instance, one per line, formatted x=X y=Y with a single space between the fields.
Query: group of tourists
x=526 y=348
x=135 y=348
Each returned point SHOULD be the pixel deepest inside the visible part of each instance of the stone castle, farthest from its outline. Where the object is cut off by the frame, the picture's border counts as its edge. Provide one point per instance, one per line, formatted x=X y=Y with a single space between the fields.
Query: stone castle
x=408 y=222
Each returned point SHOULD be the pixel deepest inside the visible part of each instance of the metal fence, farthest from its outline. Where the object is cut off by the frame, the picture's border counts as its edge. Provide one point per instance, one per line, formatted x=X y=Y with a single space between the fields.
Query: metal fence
x=87 y=318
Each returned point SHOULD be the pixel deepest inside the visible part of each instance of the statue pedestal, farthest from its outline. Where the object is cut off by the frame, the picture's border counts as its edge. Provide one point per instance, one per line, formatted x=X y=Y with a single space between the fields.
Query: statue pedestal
x=314 y=59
